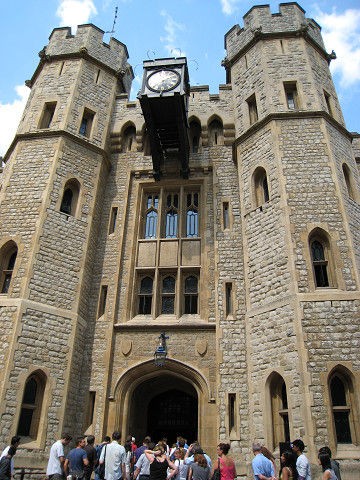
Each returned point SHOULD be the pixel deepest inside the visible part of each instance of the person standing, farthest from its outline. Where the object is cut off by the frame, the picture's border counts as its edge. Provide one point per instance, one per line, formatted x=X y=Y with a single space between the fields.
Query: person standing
x=225 y=464
x=91 y=456
x=159 y=463
x=76 y=460
x=115 y=459
x=302 y=463
x=98 y=448
x=5 y=464
x=262 y=467
x=328 y=472
x=55 y=466
x=142 y=466
x=334 y=464
x=15 y=441
x=288 y=466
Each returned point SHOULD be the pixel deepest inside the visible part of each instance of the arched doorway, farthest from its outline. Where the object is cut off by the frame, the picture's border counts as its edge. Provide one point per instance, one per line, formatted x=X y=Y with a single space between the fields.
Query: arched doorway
x=140 y=384
x=164 y=406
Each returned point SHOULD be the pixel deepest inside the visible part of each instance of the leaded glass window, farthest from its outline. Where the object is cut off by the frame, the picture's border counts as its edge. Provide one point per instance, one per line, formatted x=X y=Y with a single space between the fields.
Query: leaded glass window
x=168 y=295
x=171 y=222
x=320 y=264
x=341 y=410
x=151 y=215
x=7 y=273
x=192 y=214
x=191 y=294
x=67 y=201
x=145 y=295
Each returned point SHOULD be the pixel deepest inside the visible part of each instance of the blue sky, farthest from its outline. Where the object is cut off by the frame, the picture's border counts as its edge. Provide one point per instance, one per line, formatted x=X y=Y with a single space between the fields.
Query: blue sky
x=160 y=28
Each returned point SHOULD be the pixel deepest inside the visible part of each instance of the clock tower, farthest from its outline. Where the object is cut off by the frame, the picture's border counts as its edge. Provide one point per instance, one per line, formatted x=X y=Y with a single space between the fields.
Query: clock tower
x=164 y=102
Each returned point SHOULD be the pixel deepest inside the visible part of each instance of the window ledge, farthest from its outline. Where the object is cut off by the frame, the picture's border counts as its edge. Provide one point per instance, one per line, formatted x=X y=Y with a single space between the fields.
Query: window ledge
x=29 y=443
x=347 y=450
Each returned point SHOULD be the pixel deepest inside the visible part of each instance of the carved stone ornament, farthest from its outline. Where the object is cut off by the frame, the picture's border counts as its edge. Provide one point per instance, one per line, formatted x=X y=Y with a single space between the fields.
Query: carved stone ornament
x=126 y=346
x=201 y=347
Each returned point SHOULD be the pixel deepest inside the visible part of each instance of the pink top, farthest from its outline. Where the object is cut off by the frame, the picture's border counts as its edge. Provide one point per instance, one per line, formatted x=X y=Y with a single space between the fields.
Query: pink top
x=228 y=472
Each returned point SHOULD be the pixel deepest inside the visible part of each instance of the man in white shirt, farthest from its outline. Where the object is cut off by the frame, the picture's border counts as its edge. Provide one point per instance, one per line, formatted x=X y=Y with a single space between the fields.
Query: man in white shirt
x=14 y=443
x=114 y=456
x=57 y=457
x=302 y=463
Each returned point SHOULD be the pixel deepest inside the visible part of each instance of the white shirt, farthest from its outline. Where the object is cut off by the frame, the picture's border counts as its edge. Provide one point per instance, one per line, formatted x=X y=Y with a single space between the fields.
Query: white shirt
x=303 y=467
x=4 y=453
x=54 y=464
x=143 y=465
x=114 y=455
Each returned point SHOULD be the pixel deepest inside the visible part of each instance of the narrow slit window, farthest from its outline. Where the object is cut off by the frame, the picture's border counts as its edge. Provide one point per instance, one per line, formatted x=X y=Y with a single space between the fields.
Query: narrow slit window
x=291 y=95
x=228 y=299
x=102 y=300
x=328 y=103
x=226 y=217
x=341 y=409
x=86 y=123
x=8 y=272
x=231 y=405
x=47 y=115
x=113 y=218
x=253 y=112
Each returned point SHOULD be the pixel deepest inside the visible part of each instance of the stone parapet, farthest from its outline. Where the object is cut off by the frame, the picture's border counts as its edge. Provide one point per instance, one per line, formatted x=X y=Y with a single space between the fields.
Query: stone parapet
x=260 y=21
x=61 y=42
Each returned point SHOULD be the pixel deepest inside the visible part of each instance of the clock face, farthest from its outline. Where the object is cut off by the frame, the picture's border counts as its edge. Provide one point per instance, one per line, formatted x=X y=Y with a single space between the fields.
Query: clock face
x=163 y=80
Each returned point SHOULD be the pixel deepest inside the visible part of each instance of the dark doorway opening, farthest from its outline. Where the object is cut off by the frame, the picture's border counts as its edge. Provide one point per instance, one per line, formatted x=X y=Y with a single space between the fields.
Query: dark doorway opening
x=172 y=413
x=164 y=406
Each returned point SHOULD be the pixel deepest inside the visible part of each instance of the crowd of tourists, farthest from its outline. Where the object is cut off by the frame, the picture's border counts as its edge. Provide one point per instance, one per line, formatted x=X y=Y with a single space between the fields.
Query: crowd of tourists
x=109 y=460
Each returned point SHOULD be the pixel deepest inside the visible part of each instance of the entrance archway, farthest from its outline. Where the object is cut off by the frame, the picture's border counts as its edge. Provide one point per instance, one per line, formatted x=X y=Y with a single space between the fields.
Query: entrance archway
x=139 y=385
x=164 y=406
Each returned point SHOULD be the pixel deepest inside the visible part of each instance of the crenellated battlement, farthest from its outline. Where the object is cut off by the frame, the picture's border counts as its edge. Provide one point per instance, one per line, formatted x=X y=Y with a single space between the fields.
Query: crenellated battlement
x=260 y=21
x=89 y=39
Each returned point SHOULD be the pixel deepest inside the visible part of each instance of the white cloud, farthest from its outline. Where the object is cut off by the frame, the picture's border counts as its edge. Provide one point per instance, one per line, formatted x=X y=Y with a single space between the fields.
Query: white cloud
x=341 y=32
x=229 y=6
x=75 y=12
x=10 y=116
x=170 y=40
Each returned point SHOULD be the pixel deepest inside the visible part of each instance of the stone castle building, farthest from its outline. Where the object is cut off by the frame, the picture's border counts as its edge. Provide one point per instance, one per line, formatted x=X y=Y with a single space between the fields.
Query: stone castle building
x=229 y=222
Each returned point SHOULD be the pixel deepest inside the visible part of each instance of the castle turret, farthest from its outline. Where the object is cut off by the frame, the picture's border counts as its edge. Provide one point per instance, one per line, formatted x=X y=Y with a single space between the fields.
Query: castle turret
x=55 y=174
x=298 y=184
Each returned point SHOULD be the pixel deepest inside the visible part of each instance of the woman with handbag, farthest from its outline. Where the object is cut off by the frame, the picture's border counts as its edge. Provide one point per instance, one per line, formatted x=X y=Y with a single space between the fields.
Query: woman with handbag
x=225 y=468
x=199 y=469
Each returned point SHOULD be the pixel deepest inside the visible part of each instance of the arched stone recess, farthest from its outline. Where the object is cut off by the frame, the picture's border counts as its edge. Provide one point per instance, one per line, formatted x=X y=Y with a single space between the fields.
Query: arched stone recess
x=174 y=375
x=277 y=409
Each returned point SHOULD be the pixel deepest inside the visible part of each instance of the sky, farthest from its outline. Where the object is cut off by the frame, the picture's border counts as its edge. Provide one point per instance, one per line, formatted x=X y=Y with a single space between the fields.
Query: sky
x=162 y=28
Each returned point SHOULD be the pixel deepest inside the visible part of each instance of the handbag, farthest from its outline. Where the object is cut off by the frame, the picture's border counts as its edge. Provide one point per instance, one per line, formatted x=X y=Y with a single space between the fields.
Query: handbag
x=217 y=474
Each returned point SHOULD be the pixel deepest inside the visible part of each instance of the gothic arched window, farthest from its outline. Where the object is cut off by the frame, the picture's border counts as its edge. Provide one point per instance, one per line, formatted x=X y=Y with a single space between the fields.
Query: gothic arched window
x=151 y=215
x=216 y=133
x=195 y=136
x=279 y=410
x=192 y=214
x=342 y=404
x=31 y=405
x=8 y=254
x=171 y=215
x=70 y=198
x=129 y=139
x=260 y=187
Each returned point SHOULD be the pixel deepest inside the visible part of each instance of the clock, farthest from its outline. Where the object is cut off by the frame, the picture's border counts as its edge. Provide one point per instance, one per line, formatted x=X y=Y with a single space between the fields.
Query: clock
x=163 y=80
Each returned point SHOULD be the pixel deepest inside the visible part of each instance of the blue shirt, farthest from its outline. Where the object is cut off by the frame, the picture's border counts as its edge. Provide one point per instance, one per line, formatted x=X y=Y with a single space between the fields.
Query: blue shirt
x=262 y=466
x=76 y=457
